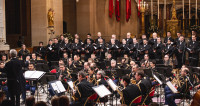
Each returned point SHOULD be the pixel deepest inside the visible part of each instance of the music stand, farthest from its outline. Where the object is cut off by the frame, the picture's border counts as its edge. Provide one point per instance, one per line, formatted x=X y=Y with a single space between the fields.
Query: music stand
x=57 y=87
x=34 y=76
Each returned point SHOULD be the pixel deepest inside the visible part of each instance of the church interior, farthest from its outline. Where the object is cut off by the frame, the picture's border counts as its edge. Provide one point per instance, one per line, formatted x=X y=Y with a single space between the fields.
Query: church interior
x=146 y=46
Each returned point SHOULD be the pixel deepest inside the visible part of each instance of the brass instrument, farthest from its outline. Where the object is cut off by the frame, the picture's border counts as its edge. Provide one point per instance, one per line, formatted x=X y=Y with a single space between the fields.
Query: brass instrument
x=119 y=90
x=133 y=81
x=176 y=79
x=76 y=90
x=97 y=82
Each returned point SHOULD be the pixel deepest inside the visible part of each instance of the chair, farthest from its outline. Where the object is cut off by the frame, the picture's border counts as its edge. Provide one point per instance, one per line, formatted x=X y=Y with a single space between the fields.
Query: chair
x=91 y=98
x=136 y=100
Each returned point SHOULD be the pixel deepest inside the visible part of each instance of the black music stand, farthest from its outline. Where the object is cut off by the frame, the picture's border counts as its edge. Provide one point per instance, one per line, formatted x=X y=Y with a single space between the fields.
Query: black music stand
x=57 y=87
x=34 y=76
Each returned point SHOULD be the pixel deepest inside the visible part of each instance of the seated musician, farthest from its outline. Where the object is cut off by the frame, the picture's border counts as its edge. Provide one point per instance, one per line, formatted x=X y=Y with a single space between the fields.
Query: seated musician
x=183 y=89
x=3 y=83
x=100 y=78
x=144 y=84
x=112 y=70
x=86 y=67
x=70 y=64
x=123 y=64
x=133 y=71
x=91 y=75
x=33 y=58
x=145 y=63
x=4 y=58
x=77 y=61
x=64 y=76
x=30 y=85
x=167 y=61
x=130 y=91
x=83 y=90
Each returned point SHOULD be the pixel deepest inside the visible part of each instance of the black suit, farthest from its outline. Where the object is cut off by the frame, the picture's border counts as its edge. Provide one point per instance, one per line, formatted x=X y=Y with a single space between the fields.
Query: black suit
x=123 y=50
x=180 y=53
x=84 y=91
x=158 y=50
x=130 y=93
x=75 y=47
x=133 y=53
x=41 y=52
x=129 y=41
x=113 y=50
x=193 y=51
x=166 y=39
x=144 y=48
x=56 y=48
x=15 y=79
x=88 y=51
x=100 y=51
x=169 y=50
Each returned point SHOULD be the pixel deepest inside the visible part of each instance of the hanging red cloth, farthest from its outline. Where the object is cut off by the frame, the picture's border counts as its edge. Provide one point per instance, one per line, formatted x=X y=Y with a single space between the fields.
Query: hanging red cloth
x=111 y=11
x=128 y=10
x=117 y=10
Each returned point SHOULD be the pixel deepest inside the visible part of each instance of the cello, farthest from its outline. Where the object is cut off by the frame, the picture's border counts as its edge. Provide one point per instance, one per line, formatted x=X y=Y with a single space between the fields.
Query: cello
x=196 y=99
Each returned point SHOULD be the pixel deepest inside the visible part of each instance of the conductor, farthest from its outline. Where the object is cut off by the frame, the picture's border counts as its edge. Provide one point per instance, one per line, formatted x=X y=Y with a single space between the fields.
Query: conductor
x=15 y=78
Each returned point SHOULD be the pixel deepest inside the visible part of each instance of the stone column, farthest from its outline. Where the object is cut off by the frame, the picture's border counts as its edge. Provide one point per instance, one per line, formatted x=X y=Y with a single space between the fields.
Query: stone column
x=3 y=46
x=39 y=20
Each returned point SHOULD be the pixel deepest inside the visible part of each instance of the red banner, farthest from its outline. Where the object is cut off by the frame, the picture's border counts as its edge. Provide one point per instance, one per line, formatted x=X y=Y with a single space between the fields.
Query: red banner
x=111 y=11
x=139 y=7
x=128 y=10
x=117 y=10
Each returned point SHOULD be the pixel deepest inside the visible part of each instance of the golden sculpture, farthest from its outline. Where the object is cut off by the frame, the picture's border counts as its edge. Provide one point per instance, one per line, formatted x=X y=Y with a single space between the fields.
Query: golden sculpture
x=51 y=17
x=173 y=24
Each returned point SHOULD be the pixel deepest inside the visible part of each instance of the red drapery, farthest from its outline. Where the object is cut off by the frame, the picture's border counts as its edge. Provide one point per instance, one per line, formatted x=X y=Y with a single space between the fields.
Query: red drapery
x=117 y=10
x=111 y=11
x=128 y=10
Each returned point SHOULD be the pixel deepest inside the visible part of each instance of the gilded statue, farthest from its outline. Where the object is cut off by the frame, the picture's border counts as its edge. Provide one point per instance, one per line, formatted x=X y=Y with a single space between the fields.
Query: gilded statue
x=51 y=17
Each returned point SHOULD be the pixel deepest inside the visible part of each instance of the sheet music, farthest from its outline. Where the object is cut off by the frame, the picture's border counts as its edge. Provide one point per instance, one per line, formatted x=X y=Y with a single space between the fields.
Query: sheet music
x=33 y=74
x=60 y=86
x=157 y=79
x=37 y=74
x=101 y=90
x=71 y=85
x=173 y=89
x=112 y=84
x=55 y=87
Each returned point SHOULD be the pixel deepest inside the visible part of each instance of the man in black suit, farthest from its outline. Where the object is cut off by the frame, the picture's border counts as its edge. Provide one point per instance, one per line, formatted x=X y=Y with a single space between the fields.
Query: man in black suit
x=157 y=49
x=168 y=49
x=144 y=49
x=117 y=42
x=99 y=37
x=130 y=91
x=83 y=91
x=180 y=52
x=154 y=39
x=192 y=49
x=15 y=78
x=89 y=37
x=113 y=49
x=133 y=49
x=41 y=51
x=23 y=52
x=168 y=37
x=76 y=48
x=56 y=48
x=100 y=50
x=128 y=39
x=88 y=49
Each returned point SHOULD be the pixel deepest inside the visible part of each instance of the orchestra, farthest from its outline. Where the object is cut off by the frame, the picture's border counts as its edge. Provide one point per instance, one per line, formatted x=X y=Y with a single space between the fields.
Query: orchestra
x=131 y=64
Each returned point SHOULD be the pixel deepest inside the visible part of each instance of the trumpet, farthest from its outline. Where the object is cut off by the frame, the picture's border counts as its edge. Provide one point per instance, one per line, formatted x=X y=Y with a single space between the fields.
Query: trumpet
x=75 y=89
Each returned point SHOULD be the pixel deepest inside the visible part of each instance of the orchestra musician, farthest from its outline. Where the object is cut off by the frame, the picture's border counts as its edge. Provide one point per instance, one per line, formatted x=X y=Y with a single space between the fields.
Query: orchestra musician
x=144 y=85
x=100 y=78
x=82 y=91
x=33 y=58
x=145 y=63
x=91 y=75
x=167 y=61
x=183 y=88
x=130 y=91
